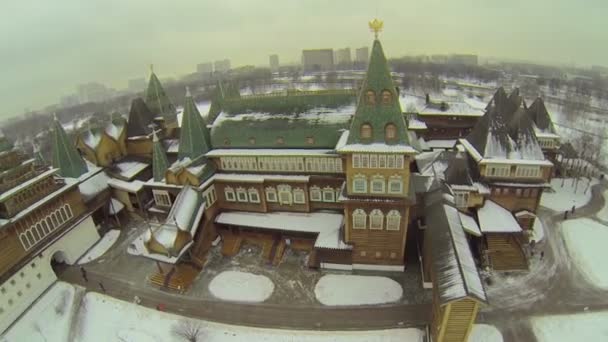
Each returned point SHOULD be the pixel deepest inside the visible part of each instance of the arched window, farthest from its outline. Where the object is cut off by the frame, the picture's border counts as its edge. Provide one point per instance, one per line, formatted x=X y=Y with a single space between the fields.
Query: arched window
x=34 y=233
x=359 y=219
x=378 y=184
x=395 y=185
x=24 y=242
x=366 y=131
x=50 y=223
x=393 y=219
x=370 y=97
x=376 y=219
x=65 y=213
x=30 y=238
x=387 y=96
x=298 y=196
x=69 y=210
x=284 y=194
x=45 y=226
x=360 y=183
x=390 y=131
x=40 y=230
x=55 y=221
x=60 y=215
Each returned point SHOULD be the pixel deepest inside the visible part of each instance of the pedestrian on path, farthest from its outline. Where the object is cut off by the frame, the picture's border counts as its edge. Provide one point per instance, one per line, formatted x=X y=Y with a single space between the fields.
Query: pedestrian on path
x=103 y=289
x=566 y=215
x=573 y=207
x=84 y=274
x=542 y=255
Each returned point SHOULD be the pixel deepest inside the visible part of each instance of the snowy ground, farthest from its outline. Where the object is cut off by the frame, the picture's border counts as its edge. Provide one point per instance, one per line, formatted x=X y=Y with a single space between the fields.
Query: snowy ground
x=603 y=213
x=340 y=289
x=107 y=319
x=571 y=193
x=102 y=246
x=241 y=287
x=538 y=231
x=48 y=320
x=567 y=328
x=485 y=333
x=586 y=243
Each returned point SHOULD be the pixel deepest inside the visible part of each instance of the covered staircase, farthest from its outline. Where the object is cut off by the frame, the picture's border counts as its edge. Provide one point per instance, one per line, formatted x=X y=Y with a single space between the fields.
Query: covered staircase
x=505 y=252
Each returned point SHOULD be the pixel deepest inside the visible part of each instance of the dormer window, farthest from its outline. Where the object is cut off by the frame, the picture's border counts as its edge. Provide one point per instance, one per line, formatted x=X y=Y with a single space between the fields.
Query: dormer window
x=280 y=140
x=387 y=97
x=370 y=97
x=366 y=131
x=251 y=140
x=390 y=131
x=310 y=140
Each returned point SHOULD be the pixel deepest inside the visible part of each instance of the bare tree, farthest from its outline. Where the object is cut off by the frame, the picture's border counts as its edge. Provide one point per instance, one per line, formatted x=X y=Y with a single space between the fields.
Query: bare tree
x=188 y=330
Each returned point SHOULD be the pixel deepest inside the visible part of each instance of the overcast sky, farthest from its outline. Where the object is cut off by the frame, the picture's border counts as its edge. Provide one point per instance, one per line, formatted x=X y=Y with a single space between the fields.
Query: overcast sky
x=48 y=47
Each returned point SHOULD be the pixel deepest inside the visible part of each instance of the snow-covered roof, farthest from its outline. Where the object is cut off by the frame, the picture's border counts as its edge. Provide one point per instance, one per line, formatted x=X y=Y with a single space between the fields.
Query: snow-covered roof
x=327 y=225
x=451 y=108
x=440 y=143
x=133 y=186
x=91 y=138
x=114 y=129
x=469 y=224
x=495 y=219
x=343 y=147
x=130 y=169
x=271 y=152
x=455 y=271
x=172 y=145
x=257 y=178
x=89 y=188
x=116 y=206
x=414 y=123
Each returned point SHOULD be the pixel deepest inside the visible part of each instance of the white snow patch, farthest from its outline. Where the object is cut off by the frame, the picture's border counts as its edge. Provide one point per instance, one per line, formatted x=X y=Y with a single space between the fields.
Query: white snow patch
x=538 y=230
x=485 y=333
x=48 y=319
x=603 y=213
x=102 y=246
x=341 y=289
x=572 y=193
x=241 y=287
x=586 y=243
x=109 y=319
x=567 y=328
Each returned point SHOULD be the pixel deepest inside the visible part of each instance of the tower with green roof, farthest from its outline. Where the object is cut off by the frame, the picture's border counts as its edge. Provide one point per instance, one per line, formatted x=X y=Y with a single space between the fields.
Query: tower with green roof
x=159 y=159
x=194 y=136
x=65 y=156
x=157 y=100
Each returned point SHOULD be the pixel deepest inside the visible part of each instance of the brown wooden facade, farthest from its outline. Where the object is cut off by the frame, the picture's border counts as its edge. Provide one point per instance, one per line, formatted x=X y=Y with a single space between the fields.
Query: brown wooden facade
x=445 y=127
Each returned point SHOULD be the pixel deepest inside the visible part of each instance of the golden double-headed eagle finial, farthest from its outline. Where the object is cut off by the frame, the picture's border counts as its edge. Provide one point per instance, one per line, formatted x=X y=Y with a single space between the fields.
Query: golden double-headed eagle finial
x=376 y=26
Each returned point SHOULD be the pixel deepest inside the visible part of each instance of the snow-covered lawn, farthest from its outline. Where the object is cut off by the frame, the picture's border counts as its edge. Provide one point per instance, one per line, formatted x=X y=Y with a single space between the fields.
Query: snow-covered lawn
x=102 y=246
x=603 y=213
x=47 y=320
x=107 y=319
x=567 y=328
x=586 y=243
x=485 y=333
x=241 y=287
x=565 y=197
x=340 y=289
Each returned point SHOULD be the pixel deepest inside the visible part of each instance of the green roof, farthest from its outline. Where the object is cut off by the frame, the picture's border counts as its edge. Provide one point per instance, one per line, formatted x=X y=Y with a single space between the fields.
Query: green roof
x=284 y=120
x=194 y=135
x=65 y=156
x=378 y=114
x=159 y=160
x=158 y=101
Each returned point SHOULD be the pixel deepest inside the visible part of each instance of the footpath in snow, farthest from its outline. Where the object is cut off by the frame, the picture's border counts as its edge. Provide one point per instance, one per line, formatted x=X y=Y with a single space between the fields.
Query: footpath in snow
x=586 y=244
x=241 y=287
x=102 y=246
x=572 y=193
x=485 y=333
x=567 y=328
x=47 y=320
x=107 y=319
x=340 y=289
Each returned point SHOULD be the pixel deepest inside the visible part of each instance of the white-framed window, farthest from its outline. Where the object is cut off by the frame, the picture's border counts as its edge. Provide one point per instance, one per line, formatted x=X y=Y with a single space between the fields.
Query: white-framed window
x=210 y=196
x=229 y=194
x=254 y=195
x=498 y=170
x=395 y=185
x=376 y=219
x=365 y=160
x=241 y=195
x=461 y=198
x=315 y=194
x=284 y=194
x=359 y=219
x=382 y=161
x=338 y=162
x=373 y=161
x=356 y=161
x=399 y=162
x=360 y=184
x=298 y=196
x=329 y=194
x=161 y=198
x=527 y=171
x=393 y=220
x=45 y=226
x=377 y=184
x=271 y=194
x=526 y=192
x=390 y=161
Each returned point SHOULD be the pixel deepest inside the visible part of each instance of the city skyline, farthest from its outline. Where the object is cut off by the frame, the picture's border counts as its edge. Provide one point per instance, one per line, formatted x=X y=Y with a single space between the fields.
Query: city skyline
x=51 y=48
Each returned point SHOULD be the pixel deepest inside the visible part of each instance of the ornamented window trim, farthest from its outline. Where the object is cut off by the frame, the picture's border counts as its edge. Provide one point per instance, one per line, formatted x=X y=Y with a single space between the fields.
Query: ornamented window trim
x=376 y=219
x=359 y=219
x=298 y=196
x=393 y=220
x=390 y=131
x=229 y=194
x=241 y=195
x=461 y=199
x=285 y=196
x=254 y=195
x=359 y=184
x=395 y=185
x=329 y=195
x=315 y=194
x=378 y=184
x=271 y=194
x=366 y=131
x=161 y=198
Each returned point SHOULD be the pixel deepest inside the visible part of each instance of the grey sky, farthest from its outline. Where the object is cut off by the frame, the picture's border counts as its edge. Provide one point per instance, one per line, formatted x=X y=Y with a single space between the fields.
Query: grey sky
x=48 y=47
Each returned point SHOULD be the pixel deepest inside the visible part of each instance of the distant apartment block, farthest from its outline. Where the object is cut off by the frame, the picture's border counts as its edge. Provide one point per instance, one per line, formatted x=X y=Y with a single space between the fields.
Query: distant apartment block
x=93 y=92
x=362 y=55
x=69 y=101
x=222 y=65
x=439 y=59
x=204 y=68
x=318 y=60
x=274 y=62
x=137 y=85
x=463 y=59
x=343 y=58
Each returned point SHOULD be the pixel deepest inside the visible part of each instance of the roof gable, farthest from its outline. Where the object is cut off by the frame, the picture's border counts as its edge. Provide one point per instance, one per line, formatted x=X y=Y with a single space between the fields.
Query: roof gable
x=158 y=101
x=539 y=114
x=65 y=156
x=194 y=136
x=140 y=119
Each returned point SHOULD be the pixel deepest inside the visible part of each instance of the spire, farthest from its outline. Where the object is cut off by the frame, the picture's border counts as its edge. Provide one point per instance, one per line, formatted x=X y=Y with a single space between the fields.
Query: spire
x=378 y=109
x=194 y=136
x=159 y=159
x=157 y=100
x=140 y=118
x=65 y=156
